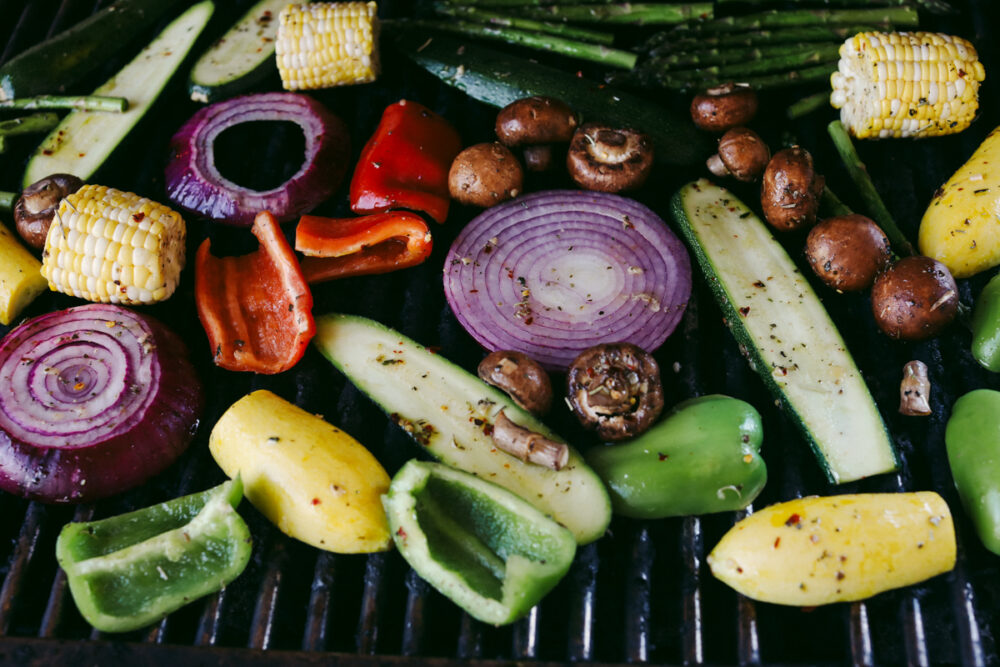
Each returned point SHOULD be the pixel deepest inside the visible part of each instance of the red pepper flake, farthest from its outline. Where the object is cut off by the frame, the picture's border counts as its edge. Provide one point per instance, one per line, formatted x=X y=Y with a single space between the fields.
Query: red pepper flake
x=777 y=541
x=793 y=520
x=316 y=501
x=840 y=575
x=138 y=217
x=663 y=457
x=744 y=311
x=401 y=532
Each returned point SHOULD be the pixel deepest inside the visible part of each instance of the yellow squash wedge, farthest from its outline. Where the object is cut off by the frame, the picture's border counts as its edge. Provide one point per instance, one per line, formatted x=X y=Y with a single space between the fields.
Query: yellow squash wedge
x=312 y=480
x=961 y=228
x=20 y=277
x=818 y=550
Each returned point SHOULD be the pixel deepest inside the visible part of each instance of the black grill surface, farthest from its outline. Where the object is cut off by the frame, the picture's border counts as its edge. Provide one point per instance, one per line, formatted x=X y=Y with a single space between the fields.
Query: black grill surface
x=643 y=593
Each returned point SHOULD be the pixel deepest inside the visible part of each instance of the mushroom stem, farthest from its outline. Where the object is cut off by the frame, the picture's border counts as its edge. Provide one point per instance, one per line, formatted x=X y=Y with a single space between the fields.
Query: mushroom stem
x=717 y=166
x=527 y=445
x=915 y=390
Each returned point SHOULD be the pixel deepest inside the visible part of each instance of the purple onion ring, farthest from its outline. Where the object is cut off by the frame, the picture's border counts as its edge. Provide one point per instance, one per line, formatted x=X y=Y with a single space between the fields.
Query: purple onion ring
x=554 y=273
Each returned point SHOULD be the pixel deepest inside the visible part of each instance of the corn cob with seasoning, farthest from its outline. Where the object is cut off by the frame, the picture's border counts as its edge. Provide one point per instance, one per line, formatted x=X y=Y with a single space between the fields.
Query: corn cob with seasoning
x=906 y=84
x=110 y=246
x=325 y=44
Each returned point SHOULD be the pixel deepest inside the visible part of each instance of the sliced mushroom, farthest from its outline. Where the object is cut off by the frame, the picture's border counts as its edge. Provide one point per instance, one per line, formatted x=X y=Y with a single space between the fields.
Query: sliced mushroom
x=484 y=175
x=528 y=445
x=535 y=124
x=723 y=107
x=742 y=154
x=615 y=389
x=37 y=205
x=521 y=377
x=609 y=159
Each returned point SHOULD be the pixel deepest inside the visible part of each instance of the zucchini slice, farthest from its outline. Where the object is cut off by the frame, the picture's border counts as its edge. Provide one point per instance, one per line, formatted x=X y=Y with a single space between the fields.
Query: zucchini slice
x=788 y=336
x=81 y=143
x=450 y=412
x=241 y=58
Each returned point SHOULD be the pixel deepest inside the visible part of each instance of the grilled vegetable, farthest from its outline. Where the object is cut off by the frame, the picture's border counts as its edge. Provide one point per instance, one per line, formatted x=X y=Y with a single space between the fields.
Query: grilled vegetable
x=986 y=326
x=94 y=400
x=82 y=142
x=312 y=480
x=241 y=58
x=21 y=279
x=914 y=299
x=324 y=44
x=110 y=246
x=703 y=457
x=128 y=571
x=68 y=56
x=788 y=336
x=37 y=205
x=484 y=547
x=814 y=550
x=972 y=439
x=451 y=412
x=906 y=84
x=959 y=228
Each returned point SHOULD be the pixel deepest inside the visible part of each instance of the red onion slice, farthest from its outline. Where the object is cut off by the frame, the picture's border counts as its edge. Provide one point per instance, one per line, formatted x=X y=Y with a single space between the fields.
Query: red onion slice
x=554 y=273
x=195 y=184
x=94 y=400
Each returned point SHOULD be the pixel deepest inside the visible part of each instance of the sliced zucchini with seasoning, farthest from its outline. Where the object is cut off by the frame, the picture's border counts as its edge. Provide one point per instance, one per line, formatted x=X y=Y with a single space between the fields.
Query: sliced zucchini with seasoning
x=241 y=58
x=788 y=336
x=82 y=142
x=451 y=412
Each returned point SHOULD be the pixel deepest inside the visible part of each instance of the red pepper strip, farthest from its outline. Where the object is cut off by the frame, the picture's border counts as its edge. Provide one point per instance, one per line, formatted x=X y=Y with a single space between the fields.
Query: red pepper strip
x=405 y=163
x=378 y=243
x=256 y=308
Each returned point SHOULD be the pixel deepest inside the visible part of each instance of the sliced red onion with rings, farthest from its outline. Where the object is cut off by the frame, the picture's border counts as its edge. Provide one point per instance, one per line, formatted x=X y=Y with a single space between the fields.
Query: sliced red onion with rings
x=554 y=273
x=195 y=184
x=94 y=400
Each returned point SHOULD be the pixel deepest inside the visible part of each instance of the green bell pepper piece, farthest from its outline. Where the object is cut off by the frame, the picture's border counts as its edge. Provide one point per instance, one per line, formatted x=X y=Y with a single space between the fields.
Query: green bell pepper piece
x=704 y=457
x=488 y=550
x=128 y=571
x=972 y=439
x=986 y=326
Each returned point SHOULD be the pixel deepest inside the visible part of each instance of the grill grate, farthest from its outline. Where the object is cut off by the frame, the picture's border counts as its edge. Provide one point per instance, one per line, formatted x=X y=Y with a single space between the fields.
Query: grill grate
x=641 y=594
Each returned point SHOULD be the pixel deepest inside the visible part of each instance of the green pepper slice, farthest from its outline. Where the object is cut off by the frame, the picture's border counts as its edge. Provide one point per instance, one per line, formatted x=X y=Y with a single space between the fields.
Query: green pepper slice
x=972 y=439
x=704 y=457
x=128 y=571
x=986 y=326
x=488 y=550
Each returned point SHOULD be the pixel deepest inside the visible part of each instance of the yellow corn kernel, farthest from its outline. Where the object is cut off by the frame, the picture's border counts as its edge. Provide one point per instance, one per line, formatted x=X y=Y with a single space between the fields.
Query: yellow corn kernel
x=111 y=246
x=903 y=84
x=325 y=44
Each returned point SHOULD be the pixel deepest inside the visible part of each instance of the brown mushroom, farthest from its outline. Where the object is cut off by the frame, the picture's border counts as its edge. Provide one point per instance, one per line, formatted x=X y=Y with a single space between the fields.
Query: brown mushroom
x=915 y=299
x=742 y=154
x=535 y=124
x=37 y=205
x=791 y=189
x=609 y=159
x=615 y=389
x=723 y=107
x=484 y=175
x=521 y=377
x=848 y=251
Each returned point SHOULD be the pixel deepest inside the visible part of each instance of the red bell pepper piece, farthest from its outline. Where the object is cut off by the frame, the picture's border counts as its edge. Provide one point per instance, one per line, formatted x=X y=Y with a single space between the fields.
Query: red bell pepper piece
x=405 y=163
x=255 y=308
x=377 y=243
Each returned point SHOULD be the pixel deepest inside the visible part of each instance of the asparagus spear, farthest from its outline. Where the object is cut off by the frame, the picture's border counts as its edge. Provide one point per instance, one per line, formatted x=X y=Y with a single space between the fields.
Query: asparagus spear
x=495 y=19
x=934 y=6
x=575 y=49
x=775 y=18
x=808 y=104
x=626 y=13
x=84 y=102
x=7 y=200
x=873 y=202
x=759 y=82
x=697 y=59
x=39 y=122
x=667 y=41
x=737 y=71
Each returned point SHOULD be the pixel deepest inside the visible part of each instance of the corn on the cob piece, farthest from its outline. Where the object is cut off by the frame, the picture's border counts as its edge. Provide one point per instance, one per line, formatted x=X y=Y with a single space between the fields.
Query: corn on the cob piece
x=110 y=246
x=324 y=44
x=900 y=84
